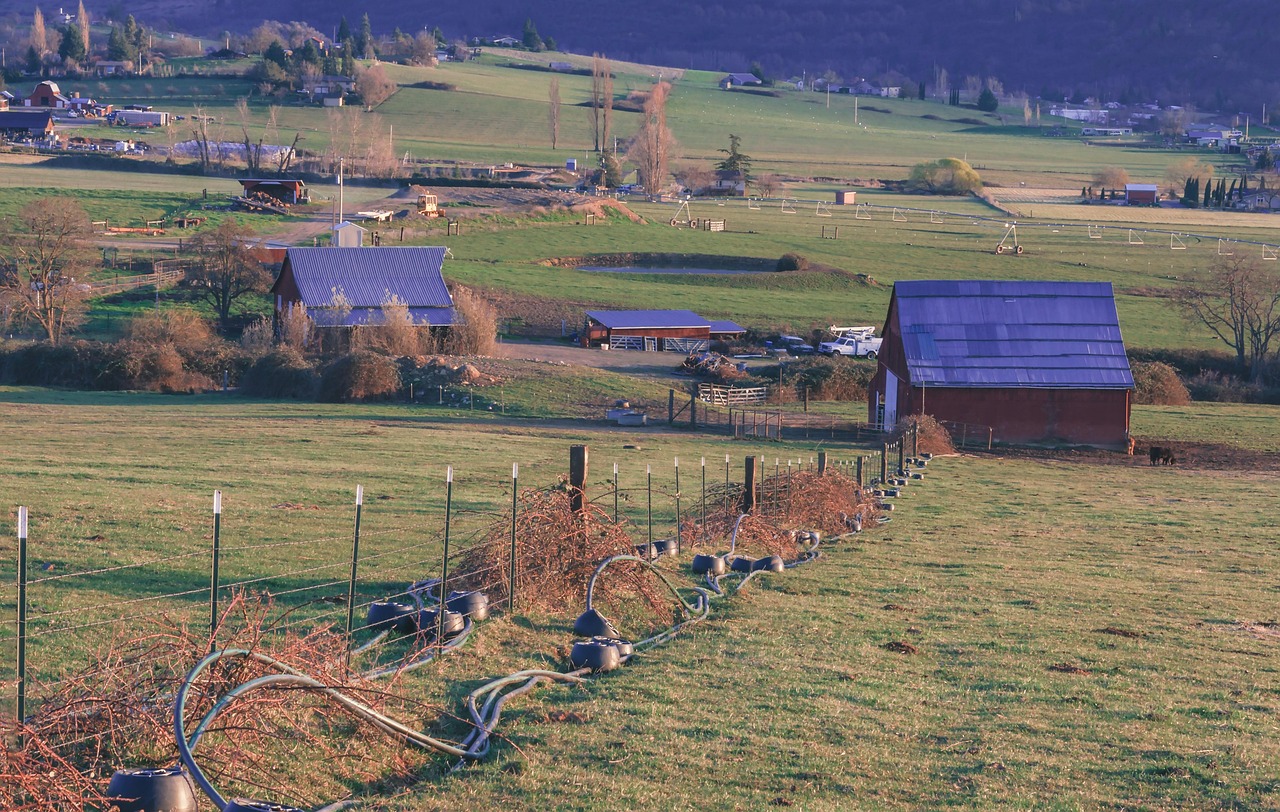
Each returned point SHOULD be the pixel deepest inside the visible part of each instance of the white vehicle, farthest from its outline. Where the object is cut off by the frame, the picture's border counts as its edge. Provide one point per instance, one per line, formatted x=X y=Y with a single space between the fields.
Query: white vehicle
x=858 y=342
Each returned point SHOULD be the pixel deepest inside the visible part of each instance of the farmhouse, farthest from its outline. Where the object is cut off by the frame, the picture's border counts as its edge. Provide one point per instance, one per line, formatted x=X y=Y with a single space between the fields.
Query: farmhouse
x=654 y=330
x=366 y=278
x=1035 y=361
x=1141 y=194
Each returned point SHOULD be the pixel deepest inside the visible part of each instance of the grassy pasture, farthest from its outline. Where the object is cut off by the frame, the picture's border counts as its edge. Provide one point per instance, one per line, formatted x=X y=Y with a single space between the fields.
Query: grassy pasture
x=994 y=569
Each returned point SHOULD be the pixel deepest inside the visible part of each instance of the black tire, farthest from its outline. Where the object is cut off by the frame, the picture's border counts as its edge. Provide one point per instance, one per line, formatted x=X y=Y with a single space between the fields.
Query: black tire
x=871 y=356
x=999 y=249
x=1018 y=250
x=598 y=654
x=251 y=805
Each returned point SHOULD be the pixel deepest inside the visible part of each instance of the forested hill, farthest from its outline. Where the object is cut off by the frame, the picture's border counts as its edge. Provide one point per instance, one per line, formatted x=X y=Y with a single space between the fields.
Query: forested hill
x=1211 y=54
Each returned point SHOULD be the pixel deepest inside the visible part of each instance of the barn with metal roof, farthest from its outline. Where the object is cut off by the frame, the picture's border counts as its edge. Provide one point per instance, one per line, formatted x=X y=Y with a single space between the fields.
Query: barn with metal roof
x=654 y=330
x=1034 y=361
x=367 y=278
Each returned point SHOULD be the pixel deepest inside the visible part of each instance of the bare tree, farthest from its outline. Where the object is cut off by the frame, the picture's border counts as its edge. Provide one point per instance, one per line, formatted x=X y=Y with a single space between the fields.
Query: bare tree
x=1240 y=304
x=600 y=110
x=44 y=250
x=82 y=22
x=768 y=185
x=695 y=177
x=653 y=143
x=225 y=269
x=553 y=111
x=1179 y=172
x=39 y=36
x=1111 y=177
x=374 y=86
x=252 y=151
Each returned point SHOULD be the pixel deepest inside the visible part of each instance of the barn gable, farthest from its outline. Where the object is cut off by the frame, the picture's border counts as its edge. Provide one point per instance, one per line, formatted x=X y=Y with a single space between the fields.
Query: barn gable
x=366 y=278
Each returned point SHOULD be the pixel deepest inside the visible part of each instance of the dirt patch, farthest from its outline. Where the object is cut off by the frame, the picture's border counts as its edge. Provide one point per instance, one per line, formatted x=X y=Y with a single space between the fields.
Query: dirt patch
x=1262 y=630
x=901 y=647
x=894 y=607
x=1190 y=455
x=1118 y=632
x=1068 y=668
x=664 y=260
x=467 y=201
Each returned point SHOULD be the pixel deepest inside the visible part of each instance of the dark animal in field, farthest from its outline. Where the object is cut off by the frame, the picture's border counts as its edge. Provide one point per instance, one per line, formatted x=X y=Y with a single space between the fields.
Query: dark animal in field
x=1162 y=456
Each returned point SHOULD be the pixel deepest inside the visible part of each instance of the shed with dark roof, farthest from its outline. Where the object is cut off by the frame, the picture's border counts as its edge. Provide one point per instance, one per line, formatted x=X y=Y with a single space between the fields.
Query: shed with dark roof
x=653 y=330
x=347 y=287
x=1034 y=361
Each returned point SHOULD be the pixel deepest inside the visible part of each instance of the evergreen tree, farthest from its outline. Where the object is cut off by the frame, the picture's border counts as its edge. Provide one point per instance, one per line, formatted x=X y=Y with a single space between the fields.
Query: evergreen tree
x=364 y=40
x=344 y=30
x=987 y=101
x=438 y=35
x=530 y=36
x=72 y=47
x=1208 y=193
x=275 y=53
x=119 y=49
x=920 y=93
x=735 y=162
x=33 y=59
x=550 y=43
x=308 y=53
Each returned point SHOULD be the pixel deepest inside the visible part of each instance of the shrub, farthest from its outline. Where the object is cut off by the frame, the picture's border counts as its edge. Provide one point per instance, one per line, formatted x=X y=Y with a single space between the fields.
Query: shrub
x=73 y=364
x=792 y=262
x=1158 y=384
x=154 y=367
x=281 y=374
x=359 y=376
x=477 y=328
x=830 y=378
x=397 y=334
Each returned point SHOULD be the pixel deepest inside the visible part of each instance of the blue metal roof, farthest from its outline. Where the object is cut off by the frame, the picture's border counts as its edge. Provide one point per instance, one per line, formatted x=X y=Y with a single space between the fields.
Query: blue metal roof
x=1059 y=335
x=640 y=319
x=726 y=327
x=367 y=277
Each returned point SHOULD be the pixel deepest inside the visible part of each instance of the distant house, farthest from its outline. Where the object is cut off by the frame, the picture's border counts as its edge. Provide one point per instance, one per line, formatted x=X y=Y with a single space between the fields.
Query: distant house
x=1214 y=137
x=1034 y=361
x=1075 y=114
x=366 y=278
x=890 y=92
x=329 y=85
x=1141 y=194
x=26 y=123
x=729 y=183
x=105 y=67
x=740 y=80
x=507 y=42
x=47 y=94
x=562 y=67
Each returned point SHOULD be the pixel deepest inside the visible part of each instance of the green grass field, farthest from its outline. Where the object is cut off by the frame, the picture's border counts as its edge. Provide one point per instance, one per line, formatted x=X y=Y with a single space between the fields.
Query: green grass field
x=1150 y=586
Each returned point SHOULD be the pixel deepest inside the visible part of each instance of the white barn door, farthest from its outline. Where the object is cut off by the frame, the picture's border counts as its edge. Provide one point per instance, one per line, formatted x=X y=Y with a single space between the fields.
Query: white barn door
x=890 y=401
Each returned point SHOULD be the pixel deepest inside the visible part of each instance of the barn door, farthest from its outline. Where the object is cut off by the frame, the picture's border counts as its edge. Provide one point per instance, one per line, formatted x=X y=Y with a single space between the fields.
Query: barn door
x=650 y=344
x=890 y=401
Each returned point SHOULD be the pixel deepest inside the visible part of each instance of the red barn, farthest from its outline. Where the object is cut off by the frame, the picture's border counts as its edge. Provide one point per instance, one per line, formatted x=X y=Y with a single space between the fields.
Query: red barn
x=1035 y=361
x=653 y=330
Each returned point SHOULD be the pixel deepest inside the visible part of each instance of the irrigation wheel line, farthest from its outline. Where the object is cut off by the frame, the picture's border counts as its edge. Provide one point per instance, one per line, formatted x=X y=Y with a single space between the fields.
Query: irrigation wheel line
x=484 y=704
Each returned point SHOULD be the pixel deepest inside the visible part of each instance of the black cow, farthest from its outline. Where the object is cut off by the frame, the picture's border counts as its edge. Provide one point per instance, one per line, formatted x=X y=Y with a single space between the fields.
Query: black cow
x=1162 y=456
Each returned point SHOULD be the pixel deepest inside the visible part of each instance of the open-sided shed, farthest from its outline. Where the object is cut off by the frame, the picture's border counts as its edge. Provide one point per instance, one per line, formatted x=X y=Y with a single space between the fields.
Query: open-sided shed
x=652 y=330
x=1035 y=361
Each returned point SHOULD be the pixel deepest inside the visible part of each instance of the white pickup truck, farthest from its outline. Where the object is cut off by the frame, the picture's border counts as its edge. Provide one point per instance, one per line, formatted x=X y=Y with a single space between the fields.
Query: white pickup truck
x=858 y=342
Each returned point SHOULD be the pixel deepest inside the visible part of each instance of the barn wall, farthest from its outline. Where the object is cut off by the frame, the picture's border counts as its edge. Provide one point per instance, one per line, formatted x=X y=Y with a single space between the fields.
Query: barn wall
x=892 y=356
x=663 y=332
x=1085 y=416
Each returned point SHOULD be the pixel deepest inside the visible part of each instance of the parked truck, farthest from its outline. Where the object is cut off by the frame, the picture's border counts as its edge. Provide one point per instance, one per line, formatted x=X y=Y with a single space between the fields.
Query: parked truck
x=856 y=342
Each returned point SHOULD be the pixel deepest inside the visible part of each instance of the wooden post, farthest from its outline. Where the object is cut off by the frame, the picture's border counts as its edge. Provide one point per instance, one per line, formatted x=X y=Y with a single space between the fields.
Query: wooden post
x=671 y=406
x=860 y=461
x=902 y=462
x=749 y=485
x=693 y=410
x=822 y=463
x=806 y=400
x=577 y=477
x=884 y=463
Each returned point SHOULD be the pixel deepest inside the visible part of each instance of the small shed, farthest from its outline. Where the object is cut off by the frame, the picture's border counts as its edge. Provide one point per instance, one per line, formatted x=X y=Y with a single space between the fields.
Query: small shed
x=649 y=330
x=366 y=278
x=740 y=80
x=1141 y=194
x=846 y=197
x=286 y=190
x=1034 y=361
x=348 y=235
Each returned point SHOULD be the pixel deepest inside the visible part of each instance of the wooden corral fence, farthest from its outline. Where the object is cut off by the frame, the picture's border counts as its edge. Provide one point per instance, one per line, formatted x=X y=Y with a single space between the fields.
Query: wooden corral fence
x=756 y=424
x=969 y=435
x=732 y=395
x=167 y=274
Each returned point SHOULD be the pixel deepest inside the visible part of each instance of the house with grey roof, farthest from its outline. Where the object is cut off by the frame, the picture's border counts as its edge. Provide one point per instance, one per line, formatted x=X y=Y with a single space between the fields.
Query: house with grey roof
x=346 y=288
x=1032 y=362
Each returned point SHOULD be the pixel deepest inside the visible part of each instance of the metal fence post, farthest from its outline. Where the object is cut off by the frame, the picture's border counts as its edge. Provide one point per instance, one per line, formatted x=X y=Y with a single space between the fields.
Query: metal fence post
x=726 y=484
x=355 y=560
x=213 y=576
x=677 y=467
x=444 y=560
x=615 y=493
x=704 y=494
x=515 y=489
x=648 y=472
x=22 y=614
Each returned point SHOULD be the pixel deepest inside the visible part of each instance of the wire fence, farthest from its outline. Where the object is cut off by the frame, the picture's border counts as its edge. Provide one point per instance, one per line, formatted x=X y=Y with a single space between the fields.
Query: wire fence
x=56 y=613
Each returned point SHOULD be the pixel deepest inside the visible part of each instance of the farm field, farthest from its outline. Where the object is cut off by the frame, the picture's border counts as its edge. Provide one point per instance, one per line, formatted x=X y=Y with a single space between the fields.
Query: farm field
x=1083 y=634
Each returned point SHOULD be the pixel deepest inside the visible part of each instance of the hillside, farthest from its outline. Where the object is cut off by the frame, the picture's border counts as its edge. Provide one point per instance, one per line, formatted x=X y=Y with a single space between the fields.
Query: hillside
x=1175 y=51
